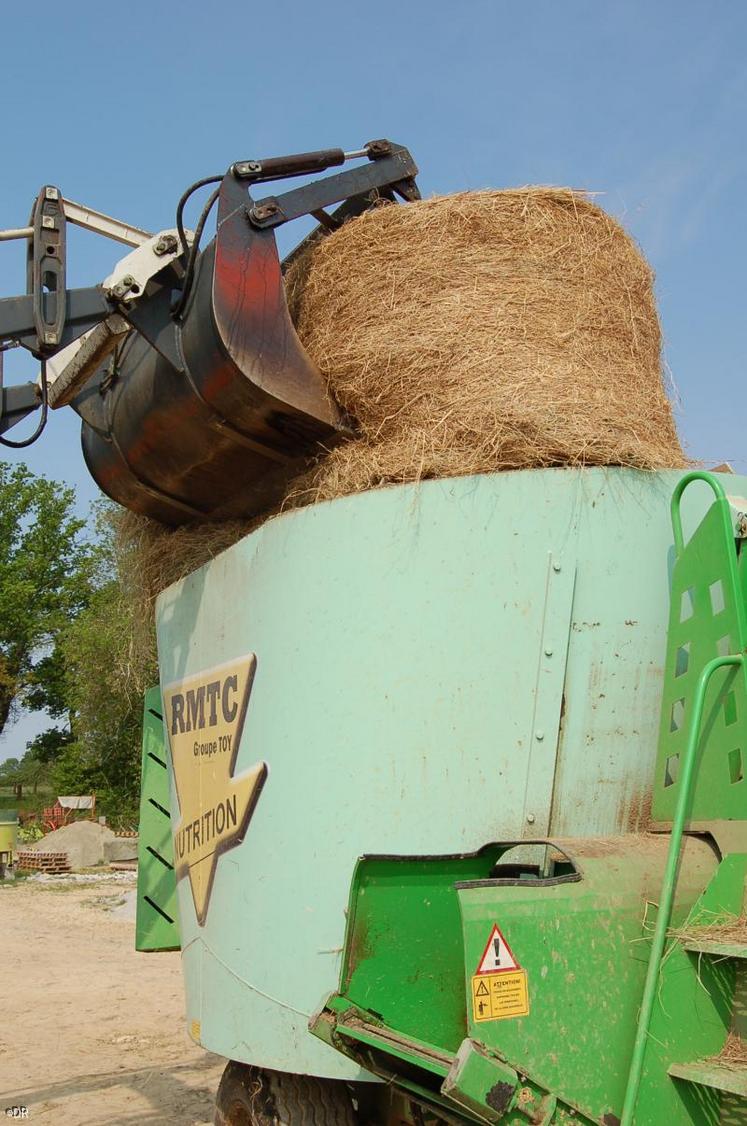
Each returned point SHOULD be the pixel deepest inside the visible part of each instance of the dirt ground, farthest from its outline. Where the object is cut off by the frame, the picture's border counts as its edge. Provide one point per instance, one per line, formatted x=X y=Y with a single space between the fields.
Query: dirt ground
x=90 y=1031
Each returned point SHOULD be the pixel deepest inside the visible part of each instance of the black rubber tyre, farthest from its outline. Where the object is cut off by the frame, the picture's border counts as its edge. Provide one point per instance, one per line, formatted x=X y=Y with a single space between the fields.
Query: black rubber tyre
x=253 y=1096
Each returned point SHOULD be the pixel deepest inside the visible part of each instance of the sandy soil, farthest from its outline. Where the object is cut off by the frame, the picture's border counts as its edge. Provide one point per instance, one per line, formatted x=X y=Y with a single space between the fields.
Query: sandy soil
x=90 y=1031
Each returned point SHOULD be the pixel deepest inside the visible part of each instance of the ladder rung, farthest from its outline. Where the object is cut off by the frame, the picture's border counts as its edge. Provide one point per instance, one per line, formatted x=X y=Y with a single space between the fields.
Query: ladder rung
x=717 y=948
x=723 y=1077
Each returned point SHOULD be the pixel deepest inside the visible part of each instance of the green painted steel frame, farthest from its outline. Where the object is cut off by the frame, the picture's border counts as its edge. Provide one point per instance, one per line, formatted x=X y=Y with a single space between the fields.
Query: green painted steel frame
x=413 y=899
x=416 y=931
x=156 y=924
x=707 y=619
x=708 y=574
x=664 y=914
x=693 y=1011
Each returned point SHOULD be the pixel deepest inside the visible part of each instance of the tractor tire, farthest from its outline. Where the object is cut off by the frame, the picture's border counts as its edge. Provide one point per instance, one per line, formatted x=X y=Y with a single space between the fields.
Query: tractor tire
x=255 y=1096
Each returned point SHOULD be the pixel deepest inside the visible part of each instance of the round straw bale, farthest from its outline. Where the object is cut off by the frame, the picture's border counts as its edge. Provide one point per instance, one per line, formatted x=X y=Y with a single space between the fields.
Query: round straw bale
x=484 y=331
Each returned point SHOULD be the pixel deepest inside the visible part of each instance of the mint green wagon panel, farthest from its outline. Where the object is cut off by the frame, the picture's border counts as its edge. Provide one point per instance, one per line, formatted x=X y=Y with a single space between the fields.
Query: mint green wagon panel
x=438 y=666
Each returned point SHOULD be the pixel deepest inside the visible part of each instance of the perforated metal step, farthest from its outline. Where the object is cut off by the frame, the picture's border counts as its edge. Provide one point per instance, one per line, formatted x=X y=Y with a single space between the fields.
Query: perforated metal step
x=722 y=1077
x=716 y=948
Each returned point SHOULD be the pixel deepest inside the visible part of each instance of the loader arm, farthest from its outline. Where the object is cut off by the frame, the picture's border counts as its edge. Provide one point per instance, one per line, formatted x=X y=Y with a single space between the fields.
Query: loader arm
x=198 y=399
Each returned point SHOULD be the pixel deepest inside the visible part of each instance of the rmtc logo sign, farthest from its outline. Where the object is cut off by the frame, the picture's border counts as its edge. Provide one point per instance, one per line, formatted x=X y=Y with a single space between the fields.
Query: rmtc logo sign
x=204 y=716
x=207 y=705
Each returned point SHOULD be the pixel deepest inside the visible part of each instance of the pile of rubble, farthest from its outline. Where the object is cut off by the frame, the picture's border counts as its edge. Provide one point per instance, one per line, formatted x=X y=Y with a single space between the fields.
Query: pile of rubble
x=82 y=844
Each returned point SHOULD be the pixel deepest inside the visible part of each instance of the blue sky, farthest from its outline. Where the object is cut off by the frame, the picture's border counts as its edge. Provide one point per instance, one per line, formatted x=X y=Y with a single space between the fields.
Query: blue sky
x=644 y=103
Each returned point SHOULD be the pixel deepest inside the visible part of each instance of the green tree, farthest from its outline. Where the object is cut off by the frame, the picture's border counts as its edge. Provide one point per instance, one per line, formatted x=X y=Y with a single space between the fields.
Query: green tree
x=45 y=581
x=42 y=754
x=108 y=661
x=32 y=772
x=48 y=746
x=10 y=775
x=37 y=766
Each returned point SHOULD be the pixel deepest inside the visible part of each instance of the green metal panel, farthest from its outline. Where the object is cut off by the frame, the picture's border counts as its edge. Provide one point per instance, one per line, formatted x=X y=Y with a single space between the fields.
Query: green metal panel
x=491 y=1091
x=693 y=1011
x=702 y=711
x=410 y=652
x=156 y=926
x=404 y=930
x=582 y=943
x=718 y=948
x=583 y=947
x=547 y=691
x=707 y=619
x=719 y=1077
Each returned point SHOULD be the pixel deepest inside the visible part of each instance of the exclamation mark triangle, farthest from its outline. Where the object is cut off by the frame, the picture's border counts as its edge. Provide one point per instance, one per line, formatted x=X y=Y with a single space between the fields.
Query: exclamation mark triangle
x=497 y=956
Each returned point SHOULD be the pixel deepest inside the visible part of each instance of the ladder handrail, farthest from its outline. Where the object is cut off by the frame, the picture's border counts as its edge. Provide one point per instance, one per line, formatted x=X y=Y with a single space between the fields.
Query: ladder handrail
x=694 y=475
x=687 y=785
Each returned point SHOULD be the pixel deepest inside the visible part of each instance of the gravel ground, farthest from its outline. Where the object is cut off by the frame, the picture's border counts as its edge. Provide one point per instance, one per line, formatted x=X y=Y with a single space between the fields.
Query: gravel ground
x=93 y=1032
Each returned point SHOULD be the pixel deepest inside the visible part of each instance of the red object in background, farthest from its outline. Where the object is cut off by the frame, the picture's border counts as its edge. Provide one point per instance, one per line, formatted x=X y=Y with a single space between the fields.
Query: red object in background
x=61 y=813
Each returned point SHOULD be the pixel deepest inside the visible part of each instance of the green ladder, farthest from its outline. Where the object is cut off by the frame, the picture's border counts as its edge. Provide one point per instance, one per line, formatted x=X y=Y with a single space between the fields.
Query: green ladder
x=696 y=989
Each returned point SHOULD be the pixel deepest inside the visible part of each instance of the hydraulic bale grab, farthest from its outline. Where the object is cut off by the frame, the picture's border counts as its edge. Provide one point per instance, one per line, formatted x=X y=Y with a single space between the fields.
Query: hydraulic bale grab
x=198 y=400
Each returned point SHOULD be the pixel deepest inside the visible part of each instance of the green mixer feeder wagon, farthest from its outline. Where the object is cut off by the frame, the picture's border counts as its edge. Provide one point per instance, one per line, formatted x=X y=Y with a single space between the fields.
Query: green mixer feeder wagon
x=459 y=807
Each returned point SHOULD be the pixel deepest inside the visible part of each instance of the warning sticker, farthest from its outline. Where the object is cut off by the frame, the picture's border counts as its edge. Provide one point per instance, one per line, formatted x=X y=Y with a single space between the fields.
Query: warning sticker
x=499 y=996
x=497 y=957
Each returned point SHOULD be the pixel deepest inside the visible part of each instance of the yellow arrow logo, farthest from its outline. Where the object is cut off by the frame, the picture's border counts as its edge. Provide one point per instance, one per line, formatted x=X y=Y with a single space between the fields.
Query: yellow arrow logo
x=204 y=716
